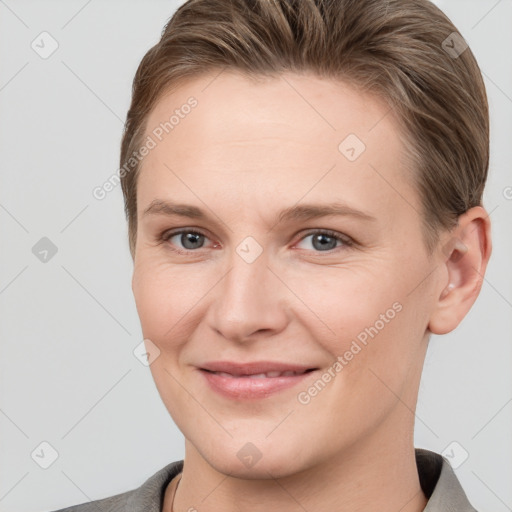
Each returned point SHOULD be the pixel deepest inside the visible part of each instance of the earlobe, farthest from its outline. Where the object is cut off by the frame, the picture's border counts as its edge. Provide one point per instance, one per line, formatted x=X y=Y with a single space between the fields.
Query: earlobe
x=464 y=255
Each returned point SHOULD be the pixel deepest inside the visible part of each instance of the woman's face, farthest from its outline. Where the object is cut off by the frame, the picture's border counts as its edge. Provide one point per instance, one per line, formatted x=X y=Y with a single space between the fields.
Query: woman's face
x=250 y=276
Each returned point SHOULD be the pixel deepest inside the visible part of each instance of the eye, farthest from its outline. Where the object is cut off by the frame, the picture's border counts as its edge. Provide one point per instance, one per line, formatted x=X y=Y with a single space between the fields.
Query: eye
x=326 y=240
x=190 y=240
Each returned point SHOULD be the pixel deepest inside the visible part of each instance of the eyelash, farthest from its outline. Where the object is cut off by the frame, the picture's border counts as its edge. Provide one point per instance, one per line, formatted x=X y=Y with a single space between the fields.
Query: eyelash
x=346 y=241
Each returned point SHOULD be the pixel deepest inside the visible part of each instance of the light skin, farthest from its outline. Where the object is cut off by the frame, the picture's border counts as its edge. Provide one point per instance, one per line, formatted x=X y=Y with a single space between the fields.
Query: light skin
x=248 y=151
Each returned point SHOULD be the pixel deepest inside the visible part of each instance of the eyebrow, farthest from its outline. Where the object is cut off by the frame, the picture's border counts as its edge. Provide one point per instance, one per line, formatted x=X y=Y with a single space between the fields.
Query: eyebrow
x=294 y=213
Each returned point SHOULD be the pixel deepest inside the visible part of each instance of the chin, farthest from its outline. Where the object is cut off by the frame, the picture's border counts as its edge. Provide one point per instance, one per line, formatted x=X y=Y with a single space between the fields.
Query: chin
x=263 y=460
x=276 y=466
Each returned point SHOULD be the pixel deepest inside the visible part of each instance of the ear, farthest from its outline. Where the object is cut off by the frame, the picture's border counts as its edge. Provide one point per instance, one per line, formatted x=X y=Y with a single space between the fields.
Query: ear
x=465 y=251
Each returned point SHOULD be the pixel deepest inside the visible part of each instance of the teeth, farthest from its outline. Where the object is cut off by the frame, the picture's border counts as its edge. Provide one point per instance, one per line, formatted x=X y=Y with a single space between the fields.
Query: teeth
x=288 y=373
x=223 y=374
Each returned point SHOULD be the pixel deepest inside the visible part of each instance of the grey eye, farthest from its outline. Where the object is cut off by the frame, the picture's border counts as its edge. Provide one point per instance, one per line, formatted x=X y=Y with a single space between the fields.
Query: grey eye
x=321 y=241
x=190 y=240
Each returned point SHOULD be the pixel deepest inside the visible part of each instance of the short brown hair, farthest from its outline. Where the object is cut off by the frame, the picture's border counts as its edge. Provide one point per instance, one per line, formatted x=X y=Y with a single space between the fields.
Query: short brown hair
x=406 y=51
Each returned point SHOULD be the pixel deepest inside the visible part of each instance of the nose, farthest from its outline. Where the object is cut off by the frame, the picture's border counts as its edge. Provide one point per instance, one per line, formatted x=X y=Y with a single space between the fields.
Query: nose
x=249 y=302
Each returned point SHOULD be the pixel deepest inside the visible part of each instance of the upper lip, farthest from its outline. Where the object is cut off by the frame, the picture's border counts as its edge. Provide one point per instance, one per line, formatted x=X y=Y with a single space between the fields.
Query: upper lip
x=253 y=368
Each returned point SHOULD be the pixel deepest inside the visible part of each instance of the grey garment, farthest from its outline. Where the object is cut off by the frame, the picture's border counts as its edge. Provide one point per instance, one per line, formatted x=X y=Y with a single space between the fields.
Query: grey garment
x=437 y=478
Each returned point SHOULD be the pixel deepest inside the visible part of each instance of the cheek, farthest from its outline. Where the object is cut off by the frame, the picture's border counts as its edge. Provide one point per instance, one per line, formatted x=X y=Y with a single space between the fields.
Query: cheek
x=163 y=300
x=171 y=302
x=163 y=295
x=152 y=302
x=368 y=317
x=348 y=304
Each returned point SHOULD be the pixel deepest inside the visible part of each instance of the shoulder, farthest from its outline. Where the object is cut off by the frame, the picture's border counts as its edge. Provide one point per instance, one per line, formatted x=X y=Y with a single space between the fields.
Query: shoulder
x=440 y=484
x=111 y=504
x=148 y=497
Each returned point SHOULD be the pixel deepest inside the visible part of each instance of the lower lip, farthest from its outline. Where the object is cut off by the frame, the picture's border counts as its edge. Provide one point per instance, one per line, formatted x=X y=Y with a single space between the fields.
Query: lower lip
x=249 y=387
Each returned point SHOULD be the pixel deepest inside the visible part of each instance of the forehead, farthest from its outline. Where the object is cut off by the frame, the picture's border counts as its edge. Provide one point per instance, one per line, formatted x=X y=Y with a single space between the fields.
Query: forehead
x=282 y=133
x=230 y=106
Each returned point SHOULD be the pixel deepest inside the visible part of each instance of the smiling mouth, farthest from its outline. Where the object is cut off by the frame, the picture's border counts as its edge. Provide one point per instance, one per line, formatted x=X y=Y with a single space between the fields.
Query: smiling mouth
x=252 y=381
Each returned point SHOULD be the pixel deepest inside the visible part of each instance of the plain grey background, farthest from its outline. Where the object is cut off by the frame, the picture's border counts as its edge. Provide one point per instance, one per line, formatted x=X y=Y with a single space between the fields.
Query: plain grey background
x=69 y=326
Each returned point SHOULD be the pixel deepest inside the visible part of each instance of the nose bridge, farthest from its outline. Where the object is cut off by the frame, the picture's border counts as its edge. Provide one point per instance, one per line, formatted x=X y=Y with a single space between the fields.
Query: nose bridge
x=249 y=298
